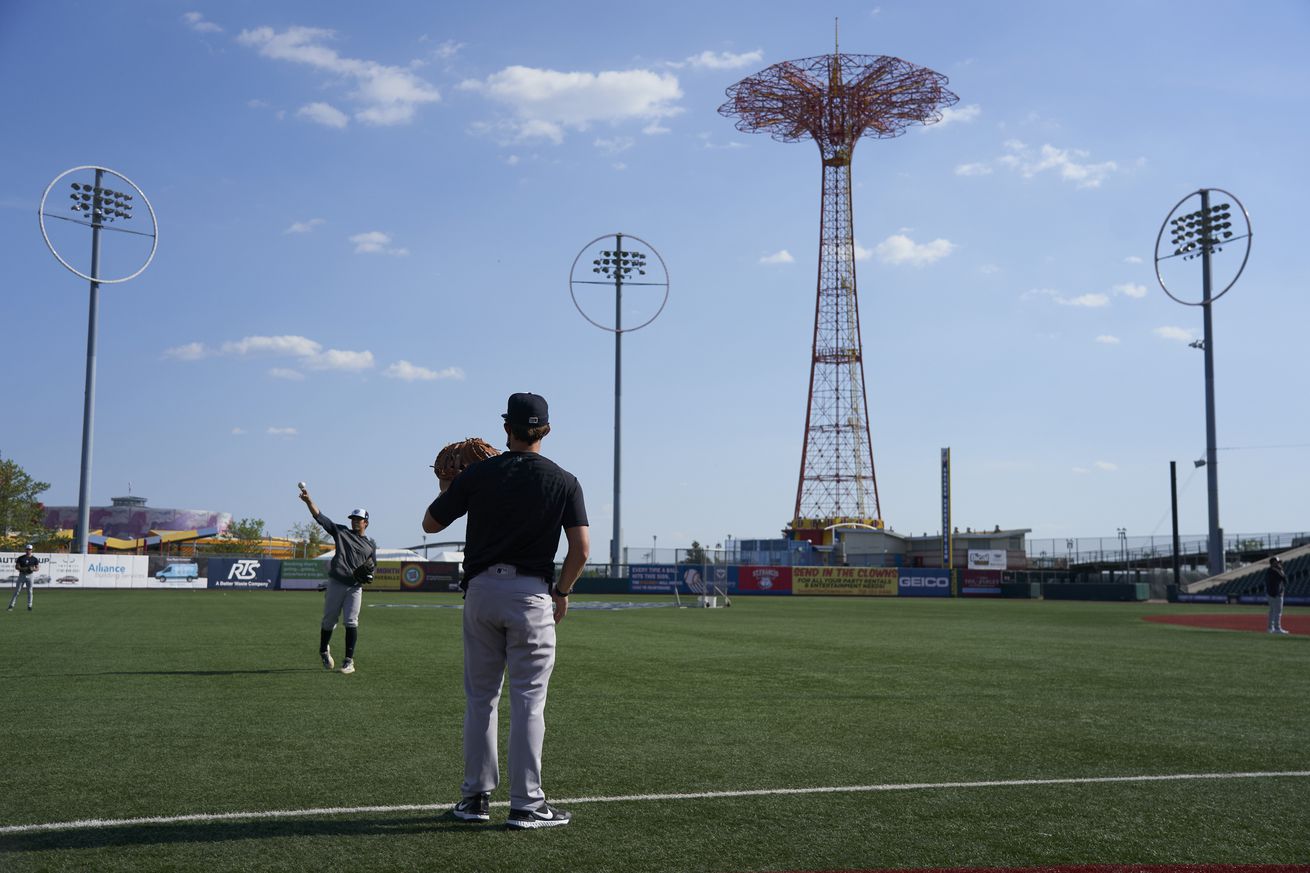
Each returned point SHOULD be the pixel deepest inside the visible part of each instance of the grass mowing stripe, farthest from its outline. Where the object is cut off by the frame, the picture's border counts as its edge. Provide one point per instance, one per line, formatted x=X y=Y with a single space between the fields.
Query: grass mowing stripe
x=635 y=798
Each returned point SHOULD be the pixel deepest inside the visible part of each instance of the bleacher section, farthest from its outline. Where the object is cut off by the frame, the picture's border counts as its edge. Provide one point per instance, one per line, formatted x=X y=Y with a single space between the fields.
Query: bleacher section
x=1251 y=578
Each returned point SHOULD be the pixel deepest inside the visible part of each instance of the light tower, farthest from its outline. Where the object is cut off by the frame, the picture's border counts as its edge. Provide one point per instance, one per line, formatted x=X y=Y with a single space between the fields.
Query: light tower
x=834 y=100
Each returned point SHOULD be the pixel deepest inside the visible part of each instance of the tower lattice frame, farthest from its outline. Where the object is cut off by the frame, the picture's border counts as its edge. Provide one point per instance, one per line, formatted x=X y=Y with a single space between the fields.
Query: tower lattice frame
x=835 y=100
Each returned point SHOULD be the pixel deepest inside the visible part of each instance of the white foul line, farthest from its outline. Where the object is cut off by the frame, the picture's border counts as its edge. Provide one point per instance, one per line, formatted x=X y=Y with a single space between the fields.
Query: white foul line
x=92 y=823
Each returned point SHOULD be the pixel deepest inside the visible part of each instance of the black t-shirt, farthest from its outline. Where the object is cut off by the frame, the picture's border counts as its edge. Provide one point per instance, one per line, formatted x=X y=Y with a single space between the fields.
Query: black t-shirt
x=27 y=564
x=518 y=503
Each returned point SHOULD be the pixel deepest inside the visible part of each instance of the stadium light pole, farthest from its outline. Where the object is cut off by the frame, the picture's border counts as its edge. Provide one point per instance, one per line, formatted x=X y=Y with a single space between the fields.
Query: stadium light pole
x=1173 y=498
x=100 y=208
x=1201 y=234
x=617 y=267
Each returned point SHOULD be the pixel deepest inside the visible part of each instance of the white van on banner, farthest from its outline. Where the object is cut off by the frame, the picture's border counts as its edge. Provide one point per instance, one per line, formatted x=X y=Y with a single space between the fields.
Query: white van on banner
x=113 y=571
x=987 y=559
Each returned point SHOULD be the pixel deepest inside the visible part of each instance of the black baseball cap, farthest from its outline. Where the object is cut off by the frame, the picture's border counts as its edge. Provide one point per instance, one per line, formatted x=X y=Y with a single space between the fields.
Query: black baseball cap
x=527 y=410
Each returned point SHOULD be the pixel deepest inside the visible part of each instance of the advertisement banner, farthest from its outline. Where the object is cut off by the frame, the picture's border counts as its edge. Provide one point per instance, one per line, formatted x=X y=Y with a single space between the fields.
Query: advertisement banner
x=856 y=581
x=653 y=578
x=948 y=542
x=9 y=573
x=429 y=576
x=242 y=573
x=980 y=583
x=924 y=583
x=386 y=577
x=115 y=571
x=764 y=580
x=65 y=570
x=1204 y=598
x=301 y=574
x=987 y=559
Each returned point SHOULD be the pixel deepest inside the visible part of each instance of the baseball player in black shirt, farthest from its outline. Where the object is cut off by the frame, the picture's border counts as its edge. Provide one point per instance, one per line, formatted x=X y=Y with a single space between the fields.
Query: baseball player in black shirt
x=517 y=504
x=26 y=564
x=352 y=567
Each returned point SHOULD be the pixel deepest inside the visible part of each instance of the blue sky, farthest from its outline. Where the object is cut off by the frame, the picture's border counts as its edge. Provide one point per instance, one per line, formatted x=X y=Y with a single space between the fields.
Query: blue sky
x=368 y=213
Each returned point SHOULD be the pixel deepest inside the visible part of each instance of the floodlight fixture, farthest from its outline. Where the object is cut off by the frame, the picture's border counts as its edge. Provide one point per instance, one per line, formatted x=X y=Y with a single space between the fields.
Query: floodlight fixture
x=1202 y=234
x=616 y=266
x=101 y=209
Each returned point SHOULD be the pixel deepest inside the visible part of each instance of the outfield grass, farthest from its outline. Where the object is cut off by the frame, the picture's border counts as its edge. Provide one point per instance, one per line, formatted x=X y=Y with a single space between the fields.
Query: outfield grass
x=158 y=703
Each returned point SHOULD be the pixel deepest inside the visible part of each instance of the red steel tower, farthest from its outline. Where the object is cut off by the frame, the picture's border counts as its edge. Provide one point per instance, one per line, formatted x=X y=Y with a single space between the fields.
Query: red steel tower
x=834 y=100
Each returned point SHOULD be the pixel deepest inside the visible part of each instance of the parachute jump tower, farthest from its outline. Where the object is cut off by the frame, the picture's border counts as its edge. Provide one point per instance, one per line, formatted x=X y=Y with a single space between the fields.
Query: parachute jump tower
x=834 y=100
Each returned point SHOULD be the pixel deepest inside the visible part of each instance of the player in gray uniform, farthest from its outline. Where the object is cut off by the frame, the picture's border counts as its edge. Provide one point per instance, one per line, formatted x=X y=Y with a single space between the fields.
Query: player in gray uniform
x=517 y=505
x=352 y=567
x=26 y=564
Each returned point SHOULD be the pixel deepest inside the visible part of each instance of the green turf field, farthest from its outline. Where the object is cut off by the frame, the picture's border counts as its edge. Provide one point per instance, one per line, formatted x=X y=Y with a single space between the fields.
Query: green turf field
x=125 y=704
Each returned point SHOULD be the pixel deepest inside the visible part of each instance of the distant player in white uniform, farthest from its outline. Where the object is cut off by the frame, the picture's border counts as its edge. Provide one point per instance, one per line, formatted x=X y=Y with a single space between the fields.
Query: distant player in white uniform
x=26 y=565
x=352 y=568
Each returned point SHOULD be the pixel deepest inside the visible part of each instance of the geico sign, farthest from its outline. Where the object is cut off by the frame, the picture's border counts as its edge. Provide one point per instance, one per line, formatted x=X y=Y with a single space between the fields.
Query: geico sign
x=925 y=582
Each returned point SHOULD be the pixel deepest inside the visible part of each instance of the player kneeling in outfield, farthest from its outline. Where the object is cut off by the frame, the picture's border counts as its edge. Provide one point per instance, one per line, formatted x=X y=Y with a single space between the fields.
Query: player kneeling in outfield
x=517 y=505
x=352 y=568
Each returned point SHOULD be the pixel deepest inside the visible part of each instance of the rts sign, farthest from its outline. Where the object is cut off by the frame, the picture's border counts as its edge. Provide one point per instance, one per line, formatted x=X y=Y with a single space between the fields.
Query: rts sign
x=244 y=573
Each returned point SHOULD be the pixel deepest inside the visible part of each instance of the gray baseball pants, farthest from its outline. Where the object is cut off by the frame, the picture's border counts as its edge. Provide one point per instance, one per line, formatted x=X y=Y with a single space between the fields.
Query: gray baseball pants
x=341 y=598
x=23 y=579
x=1275 y=612
x=508 y=621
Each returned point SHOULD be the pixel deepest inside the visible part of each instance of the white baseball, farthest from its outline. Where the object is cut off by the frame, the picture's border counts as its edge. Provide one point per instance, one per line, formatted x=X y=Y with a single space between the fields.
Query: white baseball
x=301 y=485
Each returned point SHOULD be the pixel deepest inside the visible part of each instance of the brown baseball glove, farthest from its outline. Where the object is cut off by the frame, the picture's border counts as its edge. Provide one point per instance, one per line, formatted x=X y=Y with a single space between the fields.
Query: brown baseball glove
x=456 y=457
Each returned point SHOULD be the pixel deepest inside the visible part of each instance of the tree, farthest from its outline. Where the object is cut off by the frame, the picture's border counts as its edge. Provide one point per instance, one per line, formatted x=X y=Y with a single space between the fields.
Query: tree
x=695 y=555
x=22 y=516
x=244 y=537
x=312 y=536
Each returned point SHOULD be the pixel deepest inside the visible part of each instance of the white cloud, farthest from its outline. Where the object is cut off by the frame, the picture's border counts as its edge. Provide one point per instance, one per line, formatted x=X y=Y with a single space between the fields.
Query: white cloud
x=989 y=269
x=1106 y=466
x=779 y=257
x=304 y=226
x=619 y=165
x=386 y=94
x=305 y=351
x=1132 y=259
x=1128 y=289
x=614 y=145
x=337 y=359
x=407 y=372
x=238 y=431
x=708 y=60
x=323 y=113
x=196 y=21
x=375 y=242
x=188 y=352
x=295 y=346
x=1090 y=301
x=546 y=103
x=974 y=169
x=1065 y=162
x=288 y=374
x=951 y=115
x=1178 y=334
x=900 y=249
x=1106 y=340
x=861 y=253
x=282 y=431
x=1081 y=470
x=512 y=160
x=447 y=49
x=655 y=128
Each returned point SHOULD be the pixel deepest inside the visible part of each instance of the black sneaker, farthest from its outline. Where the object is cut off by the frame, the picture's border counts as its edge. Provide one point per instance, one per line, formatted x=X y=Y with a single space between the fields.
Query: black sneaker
x=475 y=808
x=545 y=817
